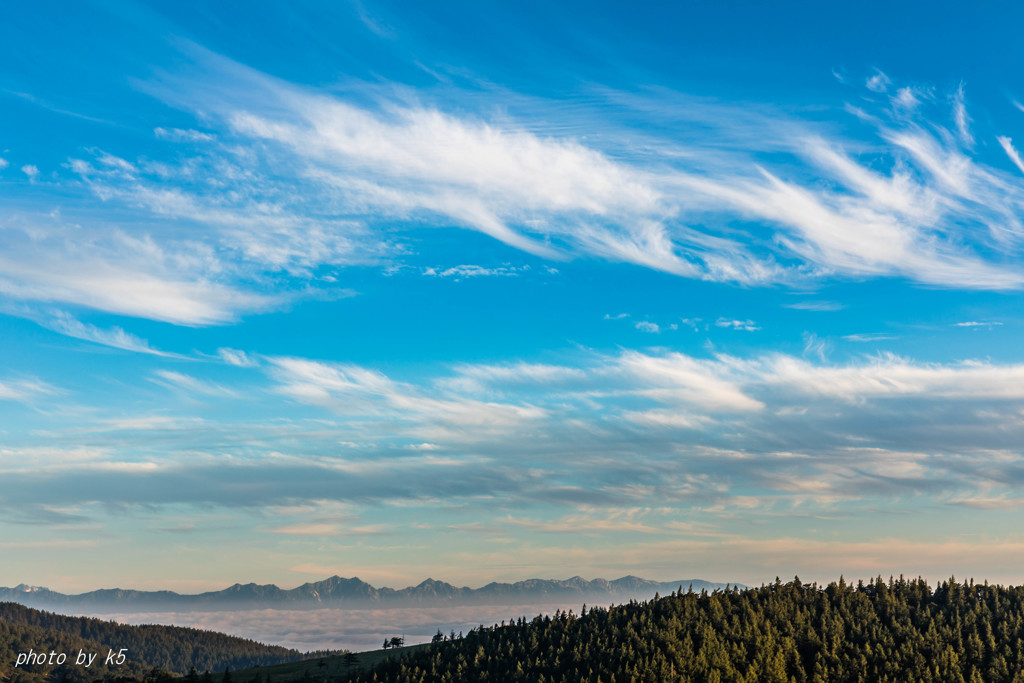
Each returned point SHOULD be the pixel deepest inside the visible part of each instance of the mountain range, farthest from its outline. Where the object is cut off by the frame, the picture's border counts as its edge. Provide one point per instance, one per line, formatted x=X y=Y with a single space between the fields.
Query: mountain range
x=355 y=593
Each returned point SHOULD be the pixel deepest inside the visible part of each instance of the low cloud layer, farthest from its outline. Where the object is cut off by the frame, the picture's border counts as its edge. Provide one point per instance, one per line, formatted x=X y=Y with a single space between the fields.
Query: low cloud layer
x=336 y=629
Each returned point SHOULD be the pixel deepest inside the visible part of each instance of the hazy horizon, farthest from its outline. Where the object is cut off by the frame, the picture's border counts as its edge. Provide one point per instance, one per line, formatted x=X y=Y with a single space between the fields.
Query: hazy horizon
x=489 y=292
x=375 y=585
x=339 y=629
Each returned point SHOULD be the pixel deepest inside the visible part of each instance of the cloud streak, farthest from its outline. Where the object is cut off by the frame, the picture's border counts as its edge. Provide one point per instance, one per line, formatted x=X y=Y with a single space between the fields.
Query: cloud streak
x=46 y=260
x=380 y=158
x=24 y=390
x=114 y=337
x=292 y=181
x=604 y=430
x=288 y=186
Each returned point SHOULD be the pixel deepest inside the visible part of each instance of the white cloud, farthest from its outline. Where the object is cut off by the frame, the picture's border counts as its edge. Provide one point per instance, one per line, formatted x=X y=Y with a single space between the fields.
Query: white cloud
x=24 y=390
x=879 y=82
x=695 y=323
x=727 y=383
x=886 y=225
x=261 y=219
x=179 y=134
x=960 y=117
x=816 y=306
x=31 y=171
x=645 y=326
x=681 y=379
x=815 y=346
x=906 y=98
x=418 y=143
x=237 y=358
x=400 y=160
x=177 y=380
x=890 y=376
x=355 y=390
x=115 y=288
x=869 y=337
x=976 y=323
x=114 y=337
x=117 y=164
x=550 y=196
x=1011 y=151
x=520 y=373
x=324 y=181
x=181 y=282
x=3 y=163
x=476 y=271
x=746 y=325
x=485 y=176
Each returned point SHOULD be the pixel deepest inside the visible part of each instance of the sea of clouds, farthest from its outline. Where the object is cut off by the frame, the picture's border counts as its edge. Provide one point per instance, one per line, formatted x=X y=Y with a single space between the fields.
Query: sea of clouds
x=351 y=629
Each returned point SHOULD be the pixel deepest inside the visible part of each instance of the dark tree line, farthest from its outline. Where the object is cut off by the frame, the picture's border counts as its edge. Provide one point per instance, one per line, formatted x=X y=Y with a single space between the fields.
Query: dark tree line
x=896 y=631
x=18 y=638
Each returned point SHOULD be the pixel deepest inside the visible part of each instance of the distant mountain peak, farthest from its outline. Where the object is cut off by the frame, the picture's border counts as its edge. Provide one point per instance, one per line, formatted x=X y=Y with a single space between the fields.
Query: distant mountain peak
x=341 y=592
x=432 y=582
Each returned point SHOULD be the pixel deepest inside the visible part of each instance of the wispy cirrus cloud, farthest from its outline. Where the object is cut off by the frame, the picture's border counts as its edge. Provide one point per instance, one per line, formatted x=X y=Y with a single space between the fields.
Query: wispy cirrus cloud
x=360 y=391
x=479 y=378
x=878 y=82
x=24 y=390
x=977 y=323
x=187 y=383
x=816 y=306
x=45 y=259
x=476 y=271
x=287 y=185
x=237 y=358
x=179 y=134
x=377 y=157
x=960 y=116
x=869 y=337
x=114 y=337
x=745 y=325
x=1007 y=144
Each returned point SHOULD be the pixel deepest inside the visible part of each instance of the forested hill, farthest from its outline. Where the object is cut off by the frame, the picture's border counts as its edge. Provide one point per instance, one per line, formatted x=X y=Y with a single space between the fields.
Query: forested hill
x=883 y=631
x=18 y=639
x=170 y=648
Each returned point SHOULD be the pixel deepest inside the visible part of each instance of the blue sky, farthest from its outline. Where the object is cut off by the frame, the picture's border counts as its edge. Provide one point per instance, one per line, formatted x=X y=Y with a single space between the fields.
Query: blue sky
x=495 y=291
